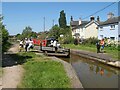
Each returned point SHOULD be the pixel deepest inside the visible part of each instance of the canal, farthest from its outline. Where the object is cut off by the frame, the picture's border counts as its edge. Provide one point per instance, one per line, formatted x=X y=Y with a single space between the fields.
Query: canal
x=94 y=74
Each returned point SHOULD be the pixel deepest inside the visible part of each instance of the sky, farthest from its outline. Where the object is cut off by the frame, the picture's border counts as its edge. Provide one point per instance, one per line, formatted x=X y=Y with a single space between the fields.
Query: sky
x=18 y=15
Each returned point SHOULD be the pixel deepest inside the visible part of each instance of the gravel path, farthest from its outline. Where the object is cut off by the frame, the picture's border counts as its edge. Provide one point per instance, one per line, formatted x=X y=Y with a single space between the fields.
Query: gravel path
x=12 y=72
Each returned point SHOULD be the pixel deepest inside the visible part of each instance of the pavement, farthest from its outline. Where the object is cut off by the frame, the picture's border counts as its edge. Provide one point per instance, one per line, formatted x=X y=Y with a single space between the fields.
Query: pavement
x=101 y=57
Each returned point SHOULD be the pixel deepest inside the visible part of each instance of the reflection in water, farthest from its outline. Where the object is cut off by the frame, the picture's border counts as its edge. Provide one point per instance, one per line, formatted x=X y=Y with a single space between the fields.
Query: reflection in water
x=97 y=69
x=109 y=74
x=93 y=74
x=91 y=67
x=101 y=72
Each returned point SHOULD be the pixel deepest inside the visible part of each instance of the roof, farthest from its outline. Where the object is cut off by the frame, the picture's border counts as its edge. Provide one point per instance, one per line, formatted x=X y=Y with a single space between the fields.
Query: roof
x=93 y=21
x=74 y=23
x=111 y=21
x=81 y=25
x=84 y=23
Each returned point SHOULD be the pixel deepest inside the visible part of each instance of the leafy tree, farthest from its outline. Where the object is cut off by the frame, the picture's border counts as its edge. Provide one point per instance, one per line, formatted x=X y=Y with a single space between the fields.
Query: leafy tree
x=55 y=32
x=4 y=33
x=67 y=36
x=27 y=32
x=34 y=34
x=19 y=36
x=62 y=20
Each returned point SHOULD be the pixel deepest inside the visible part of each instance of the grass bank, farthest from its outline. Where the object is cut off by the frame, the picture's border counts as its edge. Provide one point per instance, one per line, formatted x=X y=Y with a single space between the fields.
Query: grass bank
x=109 y=50
x=41 y=72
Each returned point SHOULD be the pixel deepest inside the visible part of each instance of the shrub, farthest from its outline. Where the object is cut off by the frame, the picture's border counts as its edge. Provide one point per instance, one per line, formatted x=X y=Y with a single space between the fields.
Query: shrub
x=5 y=34
x=118 y=47
x=76 y=42
x=90 y=41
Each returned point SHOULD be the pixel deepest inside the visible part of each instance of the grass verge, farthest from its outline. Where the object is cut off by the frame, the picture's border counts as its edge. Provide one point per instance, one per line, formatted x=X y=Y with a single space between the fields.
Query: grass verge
x=40 y=72
x=110 y=51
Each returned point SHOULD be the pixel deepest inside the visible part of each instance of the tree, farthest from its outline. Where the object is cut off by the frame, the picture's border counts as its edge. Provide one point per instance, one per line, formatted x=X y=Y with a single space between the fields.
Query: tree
x=67 y=36
x=55 y=32
x=4 y=33
x=62 y=20
x=19 y=36
x=27 y=32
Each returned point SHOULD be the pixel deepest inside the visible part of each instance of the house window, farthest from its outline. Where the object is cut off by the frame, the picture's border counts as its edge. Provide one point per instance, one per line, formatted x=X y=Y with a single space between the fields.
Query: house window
x=101 y=36
x=112 y=27
x=101 y=28
x=112 y=38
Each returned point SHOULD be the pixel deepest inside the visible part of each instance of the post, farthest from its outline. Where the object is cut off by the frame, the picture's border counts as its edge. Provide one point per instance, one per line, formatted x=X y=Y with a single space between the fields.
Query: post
x=44 y=24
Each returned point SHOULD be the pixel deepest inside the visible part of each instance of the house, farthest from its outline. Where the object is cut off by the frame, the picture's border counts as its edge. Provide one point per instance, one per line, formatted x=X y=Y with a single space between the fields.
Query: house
x=91 y=28
x=85 y=29
x=109 y=28
x=78 y=28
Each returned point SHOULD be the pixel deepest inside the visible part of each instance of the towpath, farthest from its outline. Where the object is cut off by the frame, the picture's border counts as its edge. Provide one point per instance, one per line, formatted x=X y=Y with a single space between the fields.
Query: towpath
x=12 y=72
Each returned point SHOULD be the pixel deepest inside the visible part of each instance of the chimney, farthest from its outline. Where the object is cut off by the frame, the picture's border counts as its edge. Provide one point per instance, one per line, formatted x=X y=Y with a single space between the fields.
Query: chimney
x=92 y=18
x=71 y=18
x=80 y=21
x=110 y=15
x=98 y=18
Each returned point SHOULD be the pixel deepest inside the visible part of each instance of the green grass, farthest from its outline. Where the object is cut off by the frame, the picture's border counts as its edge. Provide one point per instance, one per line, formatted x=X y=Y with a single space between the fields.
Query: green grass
x=110 y=51
x=41 y=72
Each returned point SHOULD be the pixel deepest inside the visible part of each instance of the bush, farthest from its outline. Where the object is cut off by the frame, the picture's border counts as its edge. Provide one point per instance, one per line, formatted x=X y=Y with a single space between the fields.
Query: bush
x=118 y=47
x=76 y=42
x=5 y=44
x=90 y=41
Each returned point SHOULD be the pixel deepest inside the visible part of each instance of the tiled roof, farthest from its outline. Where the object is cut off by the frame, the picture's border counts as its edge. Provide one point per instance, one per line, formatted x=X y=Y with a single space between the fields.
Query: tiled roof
x=84 y=23
x=74 y=23
x=111 y=21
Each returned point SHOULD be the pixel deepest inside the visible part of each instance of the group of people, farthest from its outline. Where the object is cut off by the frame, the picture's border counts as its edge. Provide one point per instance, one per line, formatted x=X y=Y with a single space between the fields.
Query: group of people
x=100 y=45
x=27 y=44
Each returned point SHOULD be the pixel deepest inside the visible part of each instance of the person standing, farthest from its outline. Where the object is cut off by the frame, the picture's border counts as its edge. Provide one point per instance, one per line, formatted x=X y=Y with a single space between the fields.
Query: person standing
x=102 y=43
x=98 y=46
x=55 y=45
x=21 y=45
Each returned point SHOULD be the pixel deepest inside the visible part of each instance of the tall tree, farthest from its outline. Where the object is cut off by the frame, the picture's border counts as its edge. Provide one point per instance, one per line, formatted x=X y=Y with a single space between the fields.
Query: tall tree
x=62 y=20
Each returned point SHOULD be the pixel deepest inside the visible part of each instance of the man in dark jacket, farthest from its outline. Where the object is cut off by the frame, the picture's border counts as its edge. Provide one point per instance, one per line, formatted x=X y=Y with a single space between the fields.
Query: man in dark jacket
x=98 y=46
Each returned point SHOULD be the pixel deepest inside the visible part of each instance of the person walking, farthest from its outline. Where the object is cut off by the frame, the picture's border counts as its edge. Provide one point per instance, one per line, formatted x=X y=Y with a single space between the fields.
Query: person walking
x=30 y=46
x=26 y=44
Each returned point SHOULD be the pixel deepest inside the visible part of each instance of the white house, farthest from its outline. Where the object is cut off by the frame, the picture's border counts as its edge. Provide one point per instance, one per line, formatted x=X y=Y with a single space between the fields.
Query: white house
x=85 y=29
x=91 y=29
x=109 y=28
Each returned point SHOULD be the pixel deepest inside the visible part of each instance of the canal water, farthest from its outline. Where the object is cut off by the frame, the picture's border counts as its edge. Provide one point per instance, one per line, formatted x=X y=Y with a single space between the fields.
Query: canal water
x=94 y=74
